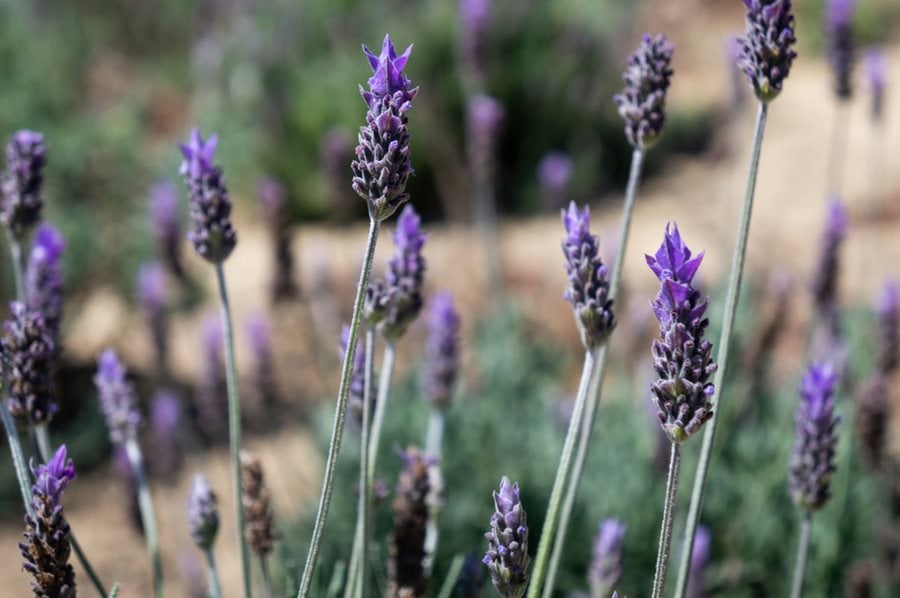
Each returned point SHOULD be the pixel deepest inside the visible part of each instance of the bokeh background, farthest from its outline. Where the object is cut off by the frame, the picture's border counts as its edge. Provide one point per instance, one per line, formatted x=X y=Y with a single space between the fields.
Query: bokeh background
x=115 y=85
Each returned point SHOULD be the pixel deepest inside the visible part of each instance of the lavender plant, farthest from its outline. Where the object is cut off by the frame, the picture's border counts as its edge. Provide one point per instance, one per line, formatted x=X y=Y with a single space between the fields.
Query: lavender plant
x=812 y=459
x=151 y=294
x=258 y=515
x=212 y=383
x=380 y=172
x=827 y=343
x=507 y=555
x=273 y=197
x=260 y=336
x=605 y=570
x=876 y=69
x=165 y=423
x=28 y=355
x=554 y=175
x=44 y=280
x=21 y=184
x=165 y=222
x=406 y=569
x=841 y=54
x=767 y=55
x=203 y=522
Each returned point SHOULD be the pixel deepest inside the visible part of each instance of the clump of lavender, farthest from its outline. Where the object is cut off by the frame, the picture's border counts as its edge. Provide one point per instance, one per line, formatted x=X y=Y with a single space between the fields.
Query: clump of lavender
x=28 y=356
x=396 y=302
x=210 y=206
x=382 y=165
x=22 y=181
x=166 y=222
x=889 y=328
x=441 y=352
x=257 y=503
x=484 y=121
x=273 y=197
x=588 y=289
x=44 y=279
x=118 y=402
x=812 y=460
x=839 y=37
x=357 y=376
x=871 y=421
x=203 y=513
x=554 y=175
x=212 y=385
x=47 y=547
x=766 y=47
x=876 y=67
x=642 y=104
x=828 y=268
x=681 y=356
x=605 y=571
x=699 y=561
x=165 y=422
x=507 y=555
x=406 y=566
x=151 y=294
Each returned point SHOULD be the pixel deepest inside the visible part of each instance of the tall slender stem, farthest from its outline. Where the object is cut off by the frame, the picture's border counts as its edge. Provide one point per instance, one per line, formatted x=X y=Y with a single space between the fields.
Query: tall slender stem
x=365 y=491
x=215 y=587
x=434 y=448
x=548 y=533
x=731 y=305
x=148 y=517
x=266 y=576
x=665 y=533
x=234 y=429
x=449 y=584
x=802 y=556
x=590 y=416
x=42 y=438
x=18 y=458
x=337 y=429
x=384 y=386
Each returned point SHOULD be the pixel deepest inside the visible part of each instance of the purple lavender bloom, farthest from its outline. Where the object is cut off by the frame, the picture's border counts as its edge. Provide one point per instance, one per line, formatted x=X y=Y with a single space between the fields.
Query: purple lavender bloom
x=475 y=24
x=382 y=165
x=406 y=569
x=118 y=402
x=357 y=376
x=44 y=279
x=203 y=513
x=606 y=563
x=828 y=269
x=28 y=356
x=841 y=50
x=46 y=547
x=876 y=63
x=21 y=182
x=889 y=327
x=588 y=289
x=766 y=48
x=273 y=198
x=165 y=421
x=151 y=294
x=212 y=386
x=699 y=561
x=166 y=221
x=642 y=104
x=213 y=236
x=484 y=122
x=507 y=555
x=554 y=175
x=441 y=352
x=260 y=336
x=681 y=356
x=812 y=460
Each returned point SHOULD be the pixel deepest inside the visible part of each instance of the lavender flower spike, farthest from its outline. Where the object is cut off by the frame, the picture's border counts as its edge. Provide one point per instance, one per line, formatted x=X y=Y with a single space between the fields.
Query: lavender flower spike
x=681 y=356
x=44 y=280
x=46 y=547
x=166 y=222
x=28 y=356
x=876 y=63
x=588 y=289
x=21 y=183
x=839 y=34
x=825 y=282
x=203 y=513
x=406 y=567
x=382 y=165
x=812 y=460
x=766 y=48
x=441 y=352
x=889 y=328
x=606 y=563
x=151 y=294
x=507 y=555
x=213 y=236
x=117 y=399
x=642 y=104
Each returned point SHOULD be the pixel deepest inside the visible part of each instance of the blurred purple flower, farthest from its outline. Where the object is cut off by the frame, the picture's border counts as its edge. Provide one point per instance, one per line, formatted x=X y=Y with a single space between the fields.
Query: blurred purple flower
x=165 y=424
x=28 y=357
x=406 y=569
x=828 y=268
x=441 y=352
x=554 y=175
x=118 y=402
x=839 y=38
x=22 y=181
x=484 y=123
x=889 y=327
x=642 y=104
x=606 y=563
x=766 y=48
x=260 y=336
x=44 y=279
x=877 y=67
x=699 y=561
x=273 y=198
x=165 y=219
x=335 y=151
x=357 y=376
x=211 y=385
x=202 y=513
x=507 y=555
x=475 y=24
x=152 y=297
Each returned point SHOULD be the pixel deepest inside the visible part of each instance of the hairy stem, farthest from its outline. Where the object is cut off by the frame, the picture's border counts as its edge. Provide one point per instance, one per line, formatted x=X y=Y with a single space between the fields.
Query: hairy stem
x=731 y=305
x=590 y=416
x=148 y=517
x=802 y=556
x=234 y=429
x=215 y=587
x=665 y=532
x=337 y=429
x=548 y=533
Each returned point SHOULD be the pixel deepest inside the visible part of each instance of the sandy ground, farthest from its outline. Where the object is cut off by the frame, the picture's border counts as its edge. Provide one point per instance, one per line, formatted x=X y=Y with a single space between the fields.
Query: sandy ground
x=701 y=194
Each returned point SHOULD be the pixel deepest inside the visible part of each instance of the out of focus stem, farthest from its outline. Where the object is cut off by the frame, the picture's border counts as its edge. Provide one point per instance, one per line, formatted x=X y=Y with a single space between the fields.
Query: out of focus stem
x=665 y=532
x=148 y=517
x=215 y=587
x=802 y=556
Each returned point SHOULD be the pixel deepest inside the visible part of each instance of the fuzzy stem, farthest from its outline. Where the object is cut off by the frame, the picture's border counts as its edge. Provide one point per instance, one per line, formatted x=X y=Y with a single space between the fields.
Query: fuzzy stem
x=266 y=577
x=590 y=416
x=42 y=439
x=337 y=429
x=665 y=534
x=434 y=443
x=148 y=518
x=731 y=305
x=802 y=556
x=215 y=587
x=449 y=584
x=234 y=428
x=548 y=533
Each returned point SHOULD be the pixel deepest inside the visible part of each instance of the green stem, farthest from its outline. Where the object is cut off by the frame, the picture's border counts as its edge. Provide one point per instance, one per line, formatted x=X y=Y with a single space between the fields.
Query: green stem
x=234 y=429
x=266 y=577
x=731 y=305
x=15 y=449
x=337 y=579
x=365 y=490
x=384 y=386
x=148 y=518
x=452 y=576
x=337 y=430
x=665 y=534
x=548 y=533
x=42 y=438
x=434 y=443
x=215 y=587
x=15 y=250
x=590 y=416
x=802 y=556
